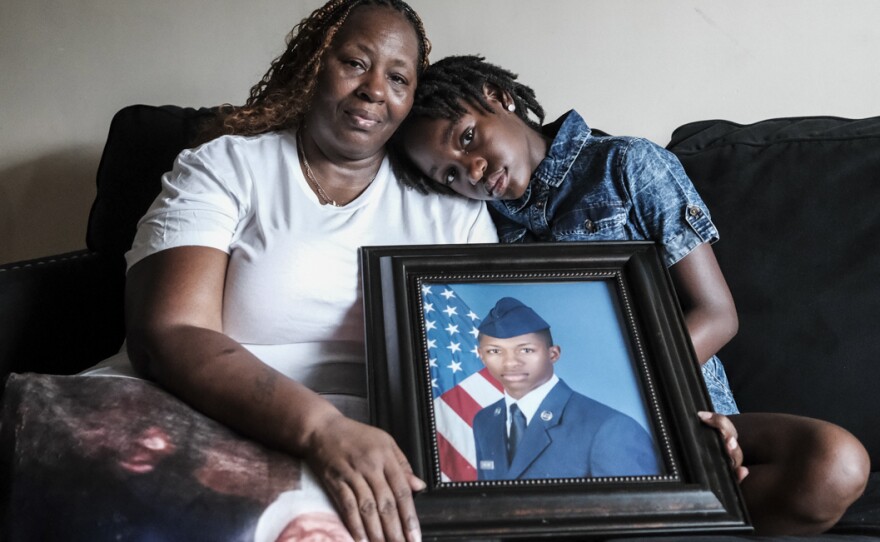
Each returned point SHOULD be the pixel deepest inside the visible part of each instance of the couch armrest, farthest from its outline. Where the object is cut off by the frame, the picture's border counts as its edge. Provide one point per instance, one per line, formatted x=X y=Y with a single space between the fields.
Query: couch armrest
x=60 y=314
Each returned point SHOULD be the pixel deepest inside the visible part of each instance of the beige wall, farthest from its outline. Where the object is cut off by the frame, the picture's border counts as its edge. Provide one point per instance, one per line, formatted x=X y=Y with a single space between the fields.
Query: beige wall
x=637 y=67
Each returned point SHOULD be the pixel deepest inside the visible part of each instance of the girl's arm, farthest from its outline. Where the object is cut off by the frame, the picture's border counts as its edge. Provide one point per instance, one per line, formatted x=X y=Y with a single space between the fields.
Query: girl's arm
x=710 y=317
x=174 y=304
x=709 y=312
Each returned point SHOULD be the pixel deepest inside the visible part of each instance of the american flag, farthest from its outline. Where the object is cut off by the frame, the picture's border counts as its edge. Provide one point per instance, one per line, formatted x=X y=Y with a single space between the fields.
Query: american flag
x=461 y=385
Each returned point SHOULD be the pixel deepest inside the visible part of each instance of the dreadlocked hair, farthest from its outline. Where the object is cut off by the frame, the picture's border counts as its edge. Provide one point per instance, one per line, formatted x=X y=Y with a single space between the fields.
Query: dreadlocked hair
x=442 y=92
x=284 y=94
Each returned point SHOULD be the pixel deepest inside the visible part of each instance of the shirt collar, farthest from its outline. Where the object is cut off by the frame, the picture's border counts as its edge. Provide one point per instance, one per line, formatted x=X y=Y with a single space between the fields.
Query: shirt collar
x=530 y=402
x=570 y=133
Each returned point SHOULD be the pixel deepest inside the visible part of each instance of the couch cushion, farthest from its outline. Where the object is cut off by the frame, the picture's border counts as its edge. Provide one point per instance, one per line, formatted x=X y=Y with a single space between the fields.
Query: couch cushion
x=141 y=145
x=796 y=201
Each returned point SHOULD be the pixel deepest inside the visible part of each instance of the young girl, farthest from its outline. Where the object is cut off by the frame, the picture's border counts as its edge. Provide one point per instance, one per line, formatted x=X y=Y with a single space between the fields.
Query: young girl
x=470 y=132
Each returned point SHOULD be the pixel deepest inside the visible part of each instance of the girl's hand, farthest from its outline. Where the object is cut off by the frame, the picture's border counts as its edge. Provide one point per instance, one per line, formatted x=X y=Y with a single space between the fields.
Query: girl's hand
x=368 y=478
x=728 y=434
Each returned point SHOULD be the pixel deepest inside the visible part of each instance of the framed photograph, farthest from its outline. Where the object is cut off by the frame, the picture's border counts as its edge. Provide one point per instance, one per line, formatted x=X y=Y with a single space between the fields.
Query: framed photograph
x=543 y=390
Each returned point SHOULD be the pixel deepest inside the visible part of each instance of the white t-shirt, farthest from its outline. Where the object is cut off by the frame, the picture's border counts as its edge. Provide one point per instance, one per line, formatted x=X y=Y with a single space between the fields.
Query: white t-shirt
x=293 y=284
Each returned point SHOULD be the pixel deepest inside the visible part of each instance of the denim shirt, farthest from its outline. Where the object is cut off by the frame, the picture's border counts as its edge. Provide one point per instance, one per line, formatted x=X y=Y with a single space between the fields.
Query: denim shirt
x=604 y=188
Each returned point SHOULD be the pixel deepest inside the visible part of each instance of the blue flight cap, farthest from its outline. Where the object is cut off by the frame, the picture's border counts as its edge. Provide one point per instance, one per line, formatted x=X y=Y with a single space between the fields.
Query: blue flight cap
x=510 y=318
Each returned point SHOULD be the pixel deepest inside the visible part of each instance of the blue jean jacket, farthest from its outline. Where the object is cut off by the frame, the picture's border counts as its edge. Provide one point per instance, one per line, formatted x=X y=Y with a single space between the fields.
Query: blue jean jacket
x=607 y=188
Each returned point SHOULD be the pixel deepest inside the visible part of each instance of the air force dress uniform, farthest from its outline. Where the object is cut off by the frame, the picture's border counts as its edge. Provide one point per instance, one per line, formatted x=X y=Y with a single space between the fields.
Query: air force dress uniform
x=569 y=436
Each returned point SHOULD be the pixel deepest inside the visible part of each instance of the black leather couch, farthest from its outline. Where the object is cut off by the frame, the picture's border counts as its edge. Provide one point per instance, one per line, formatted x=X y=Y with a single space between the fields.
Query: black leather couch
x=797 y=201
x=63 y=313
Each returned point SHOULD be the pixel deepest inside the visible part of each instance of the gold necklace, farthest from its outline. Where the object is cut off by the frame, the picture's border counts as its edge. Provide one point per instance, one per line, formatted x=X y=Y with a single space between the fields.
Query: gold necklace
x=325 y=199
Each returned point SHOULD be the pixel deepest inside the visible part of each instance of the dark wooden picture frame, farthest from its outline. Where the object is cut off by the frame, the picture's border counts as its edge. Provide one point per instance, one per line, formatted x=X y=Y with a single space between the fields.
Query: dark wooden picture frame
x=693 y=490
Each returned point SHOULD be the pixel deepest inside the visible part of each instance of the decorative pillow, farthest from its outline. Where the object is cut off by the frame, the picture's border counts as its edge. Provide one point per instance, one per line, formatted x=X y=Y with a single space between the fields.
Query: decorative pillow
x=115 y=458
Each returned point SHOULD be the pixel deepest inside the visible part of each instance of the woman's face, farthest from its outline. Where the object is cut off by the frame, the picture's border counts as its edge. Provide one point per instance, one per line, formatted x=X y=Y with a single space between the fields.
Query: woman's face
x=366 y=84
x=482 y=155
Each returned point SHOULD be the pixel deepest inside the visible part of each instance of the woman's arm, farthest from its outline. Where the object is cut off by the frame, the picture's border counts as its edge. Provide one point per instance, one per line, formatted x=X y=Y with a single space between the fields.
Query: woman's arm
x=709 y=312
x=175 y=335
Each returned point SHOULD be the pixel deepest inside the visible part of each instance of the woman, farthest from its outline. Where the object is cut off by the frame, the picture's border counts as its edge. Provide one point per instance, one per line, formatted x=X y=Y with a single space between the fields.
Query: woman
x=242 y=292
x=470 y=132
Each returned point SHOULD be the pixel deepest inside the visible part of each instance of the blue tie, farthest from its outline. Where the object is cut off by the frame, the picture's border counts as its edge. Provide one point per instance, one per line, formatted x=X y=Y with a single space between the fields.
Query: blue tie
x=517 y=429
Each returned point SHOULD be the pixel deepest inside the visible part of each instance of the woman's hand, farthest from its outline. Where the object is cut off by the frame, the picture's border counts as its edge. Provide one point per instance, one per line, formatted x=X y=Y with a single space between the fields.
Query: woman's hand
x=368 y=477
x=731 y=445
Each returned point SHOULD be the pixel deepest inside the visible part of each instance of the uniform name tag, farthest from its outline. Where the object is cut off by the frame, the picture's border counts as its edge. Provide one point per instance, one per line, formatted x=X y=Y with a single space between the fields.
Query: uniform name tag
x=487 y=464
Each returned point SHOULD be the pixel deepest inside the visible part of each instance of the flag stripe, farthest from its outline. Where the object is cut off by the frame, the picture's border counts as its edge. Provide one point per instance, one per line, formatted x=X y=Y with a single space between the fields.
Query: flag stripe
x=460 y=383
x=455 y=429
x=462 y=403
x=483 y=385
x=463 y=469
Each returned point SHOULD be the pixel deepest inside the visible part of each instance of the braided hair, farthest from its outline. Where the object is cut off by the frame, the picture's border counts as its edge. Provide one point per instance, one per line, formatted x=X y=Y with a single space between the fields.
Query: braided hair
x=284 y=94
x=442 y=92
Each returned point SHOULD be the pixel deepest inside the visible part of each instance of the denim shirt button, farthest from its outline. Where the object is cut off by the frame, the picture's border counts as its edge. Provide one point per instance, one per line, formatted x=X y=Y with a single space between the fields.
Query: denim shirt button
x=694 y=211
x=539 y=205
x=590 y=226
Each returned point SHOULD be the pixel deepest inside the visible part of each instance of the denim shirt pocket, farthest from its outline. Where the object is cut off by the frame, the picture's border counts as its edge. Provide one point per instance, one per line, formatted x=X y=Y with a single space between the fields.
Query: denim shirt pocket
x=592 y=221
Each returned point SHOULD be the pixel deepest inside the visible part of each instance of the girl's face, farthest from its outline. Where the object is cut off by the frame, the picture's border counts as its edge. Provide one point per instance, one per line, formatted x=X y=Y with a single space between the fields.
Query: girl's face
x=483 y=155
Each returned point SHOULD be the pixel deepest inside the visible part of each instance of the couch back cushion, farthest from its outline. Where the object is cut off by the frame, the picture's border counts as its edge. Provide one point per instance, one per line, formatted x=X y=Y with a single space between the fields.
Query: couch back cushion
x=142 y=144
x=797 y=201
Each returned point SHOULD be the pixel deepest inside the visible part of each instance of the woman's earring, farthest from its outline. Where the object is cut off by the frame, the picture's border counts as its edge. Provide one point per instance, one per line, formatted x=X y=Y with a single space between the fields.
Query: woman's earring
x=511 y=107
